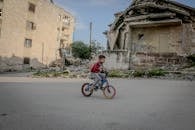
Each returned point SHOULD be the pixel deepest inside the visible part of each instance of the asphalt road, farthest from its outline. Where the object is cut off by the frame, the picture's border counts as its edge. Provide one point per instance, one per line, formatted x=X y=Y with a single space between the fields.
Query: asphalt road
x=57 y=104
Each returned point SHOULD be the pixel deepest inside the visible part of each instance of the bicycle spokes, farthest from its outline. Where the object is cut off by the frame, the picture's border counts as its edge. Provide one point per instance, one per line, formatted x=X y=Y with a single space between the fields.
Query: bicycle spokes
x=109 y=92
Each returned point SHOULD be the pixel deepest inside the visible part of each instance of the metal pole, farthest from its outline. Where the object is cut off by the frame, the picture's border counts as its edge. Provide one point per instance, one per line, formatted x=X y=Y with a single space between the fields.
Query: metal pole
x=90 y=37
x=42 y=52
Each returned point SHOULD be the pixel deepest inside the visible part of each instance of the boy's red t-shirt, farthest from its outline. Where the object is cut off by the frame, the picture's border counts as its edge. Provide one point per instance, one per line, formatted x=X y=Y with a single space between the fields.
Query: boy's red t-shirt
x=96 y=67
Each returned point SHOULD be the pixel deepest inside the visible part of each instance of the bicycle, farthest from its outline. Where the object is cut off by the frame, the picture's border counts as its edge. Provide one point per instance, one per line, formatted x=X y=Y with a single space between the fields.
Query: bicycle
x=108 y=90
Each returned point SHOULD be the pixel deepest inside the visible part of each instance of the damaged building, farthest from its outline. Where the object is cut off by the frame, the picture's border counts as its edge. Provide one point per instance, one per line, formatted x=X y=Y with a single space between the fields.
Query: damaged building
x=151 y=33
x=32 y=32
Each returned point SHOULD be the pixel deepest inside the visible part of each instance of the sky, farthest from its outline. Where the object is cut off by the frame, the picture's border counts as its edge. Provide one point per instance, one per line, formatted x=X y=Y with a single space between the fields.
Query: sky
x=100 y=13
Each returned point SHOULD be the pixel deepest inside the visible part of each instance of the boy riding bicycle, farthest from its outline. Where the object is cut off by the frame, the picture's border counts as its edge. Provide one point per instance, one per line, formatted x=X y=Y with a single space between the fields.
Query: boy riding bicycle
x=98 y=71
x=99 y=74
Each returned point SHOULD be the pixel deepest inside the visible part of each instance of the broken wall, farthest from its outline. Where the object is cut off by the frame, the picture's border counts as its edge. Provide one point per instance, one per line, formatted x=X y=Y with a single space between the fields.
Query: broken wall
x=166 y=39
x=15 y=63
x=116 y=59
x=141 y=60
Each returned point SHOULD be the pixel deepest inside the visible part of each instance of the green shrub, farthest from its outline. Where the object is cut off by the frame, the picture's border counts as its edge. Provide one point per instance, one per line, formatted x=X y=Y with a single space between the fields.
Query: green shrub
x=81 y=50
x=138 y=73
x=51 y=74
x=41 y=74
x=114 y=73
x=118 y=74
x=156 y=72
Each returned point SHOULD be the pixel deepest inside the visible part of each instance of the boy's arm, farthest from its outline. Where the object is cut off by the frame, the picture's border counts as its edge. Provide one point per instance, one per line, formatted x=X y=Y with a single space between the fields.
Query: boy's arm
x=103 y=69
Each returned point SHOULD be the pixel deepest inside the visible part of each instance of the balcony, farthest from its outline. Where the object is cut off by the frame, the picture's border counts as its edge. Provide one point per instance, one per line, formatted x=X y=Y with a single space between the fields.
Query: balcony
x=66 y=23
x=65 y=37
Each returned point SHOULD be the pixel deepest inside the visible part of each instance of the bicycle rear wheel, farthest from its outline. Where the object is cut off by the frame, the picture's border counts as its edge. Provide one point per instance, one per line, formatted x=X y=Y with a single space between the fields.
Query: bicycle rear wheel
x=86 y=91
x=109 y=92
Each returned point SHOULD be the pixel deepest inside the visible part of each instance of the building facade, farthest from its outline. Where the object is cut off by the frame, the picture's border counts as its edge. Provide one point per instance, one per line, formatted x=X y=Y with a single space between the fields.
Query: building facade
x=152 y=30
x=33 y=31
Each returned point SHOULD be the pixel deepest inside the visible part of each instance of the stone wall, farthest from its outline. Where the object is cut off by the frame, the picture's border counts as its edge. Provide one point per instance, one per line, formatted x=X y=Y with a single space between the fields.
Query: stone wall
x=116 y=60
x=141 y=60
x=157 y=59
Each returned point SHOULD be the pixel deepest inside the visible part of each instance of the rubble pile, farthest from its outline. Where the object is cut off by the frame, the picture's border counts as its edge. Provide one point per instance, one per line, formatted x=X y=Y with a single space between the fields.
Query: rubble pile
x=76 y=69
x=10 y=64
x=81 y=69
x=169 y=71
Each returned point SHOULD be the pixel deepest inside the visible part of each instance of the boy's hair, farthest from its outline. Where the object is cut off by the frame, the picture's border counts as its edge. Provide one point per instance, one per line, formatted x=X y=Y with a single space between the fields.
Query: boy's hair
x=102 y=57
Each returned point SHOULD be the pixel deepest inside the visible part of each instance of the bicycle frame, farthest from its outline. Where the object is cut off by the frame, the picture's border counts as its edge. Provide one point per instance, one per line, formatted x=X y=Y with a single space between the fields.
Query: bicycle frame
x=103 y=81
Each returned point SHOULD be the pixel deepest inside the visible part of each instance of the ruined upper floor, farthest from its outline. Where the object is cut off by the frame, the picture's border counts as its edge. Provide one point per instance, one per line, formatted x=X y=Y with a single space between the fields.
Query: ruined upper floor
x=154 y=10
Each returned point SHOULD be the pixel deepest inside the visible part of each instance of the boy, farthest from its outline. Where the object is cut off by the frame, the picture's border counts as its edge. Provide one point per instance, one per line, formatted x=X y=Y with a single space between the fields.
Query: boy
x=97 y=71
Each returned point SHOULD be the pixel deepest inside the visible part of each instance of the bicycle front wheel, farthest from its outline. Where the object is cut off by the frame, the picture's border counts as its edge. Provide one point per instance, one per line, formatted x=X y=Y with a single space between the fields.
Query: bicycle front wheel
x=109 y=92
